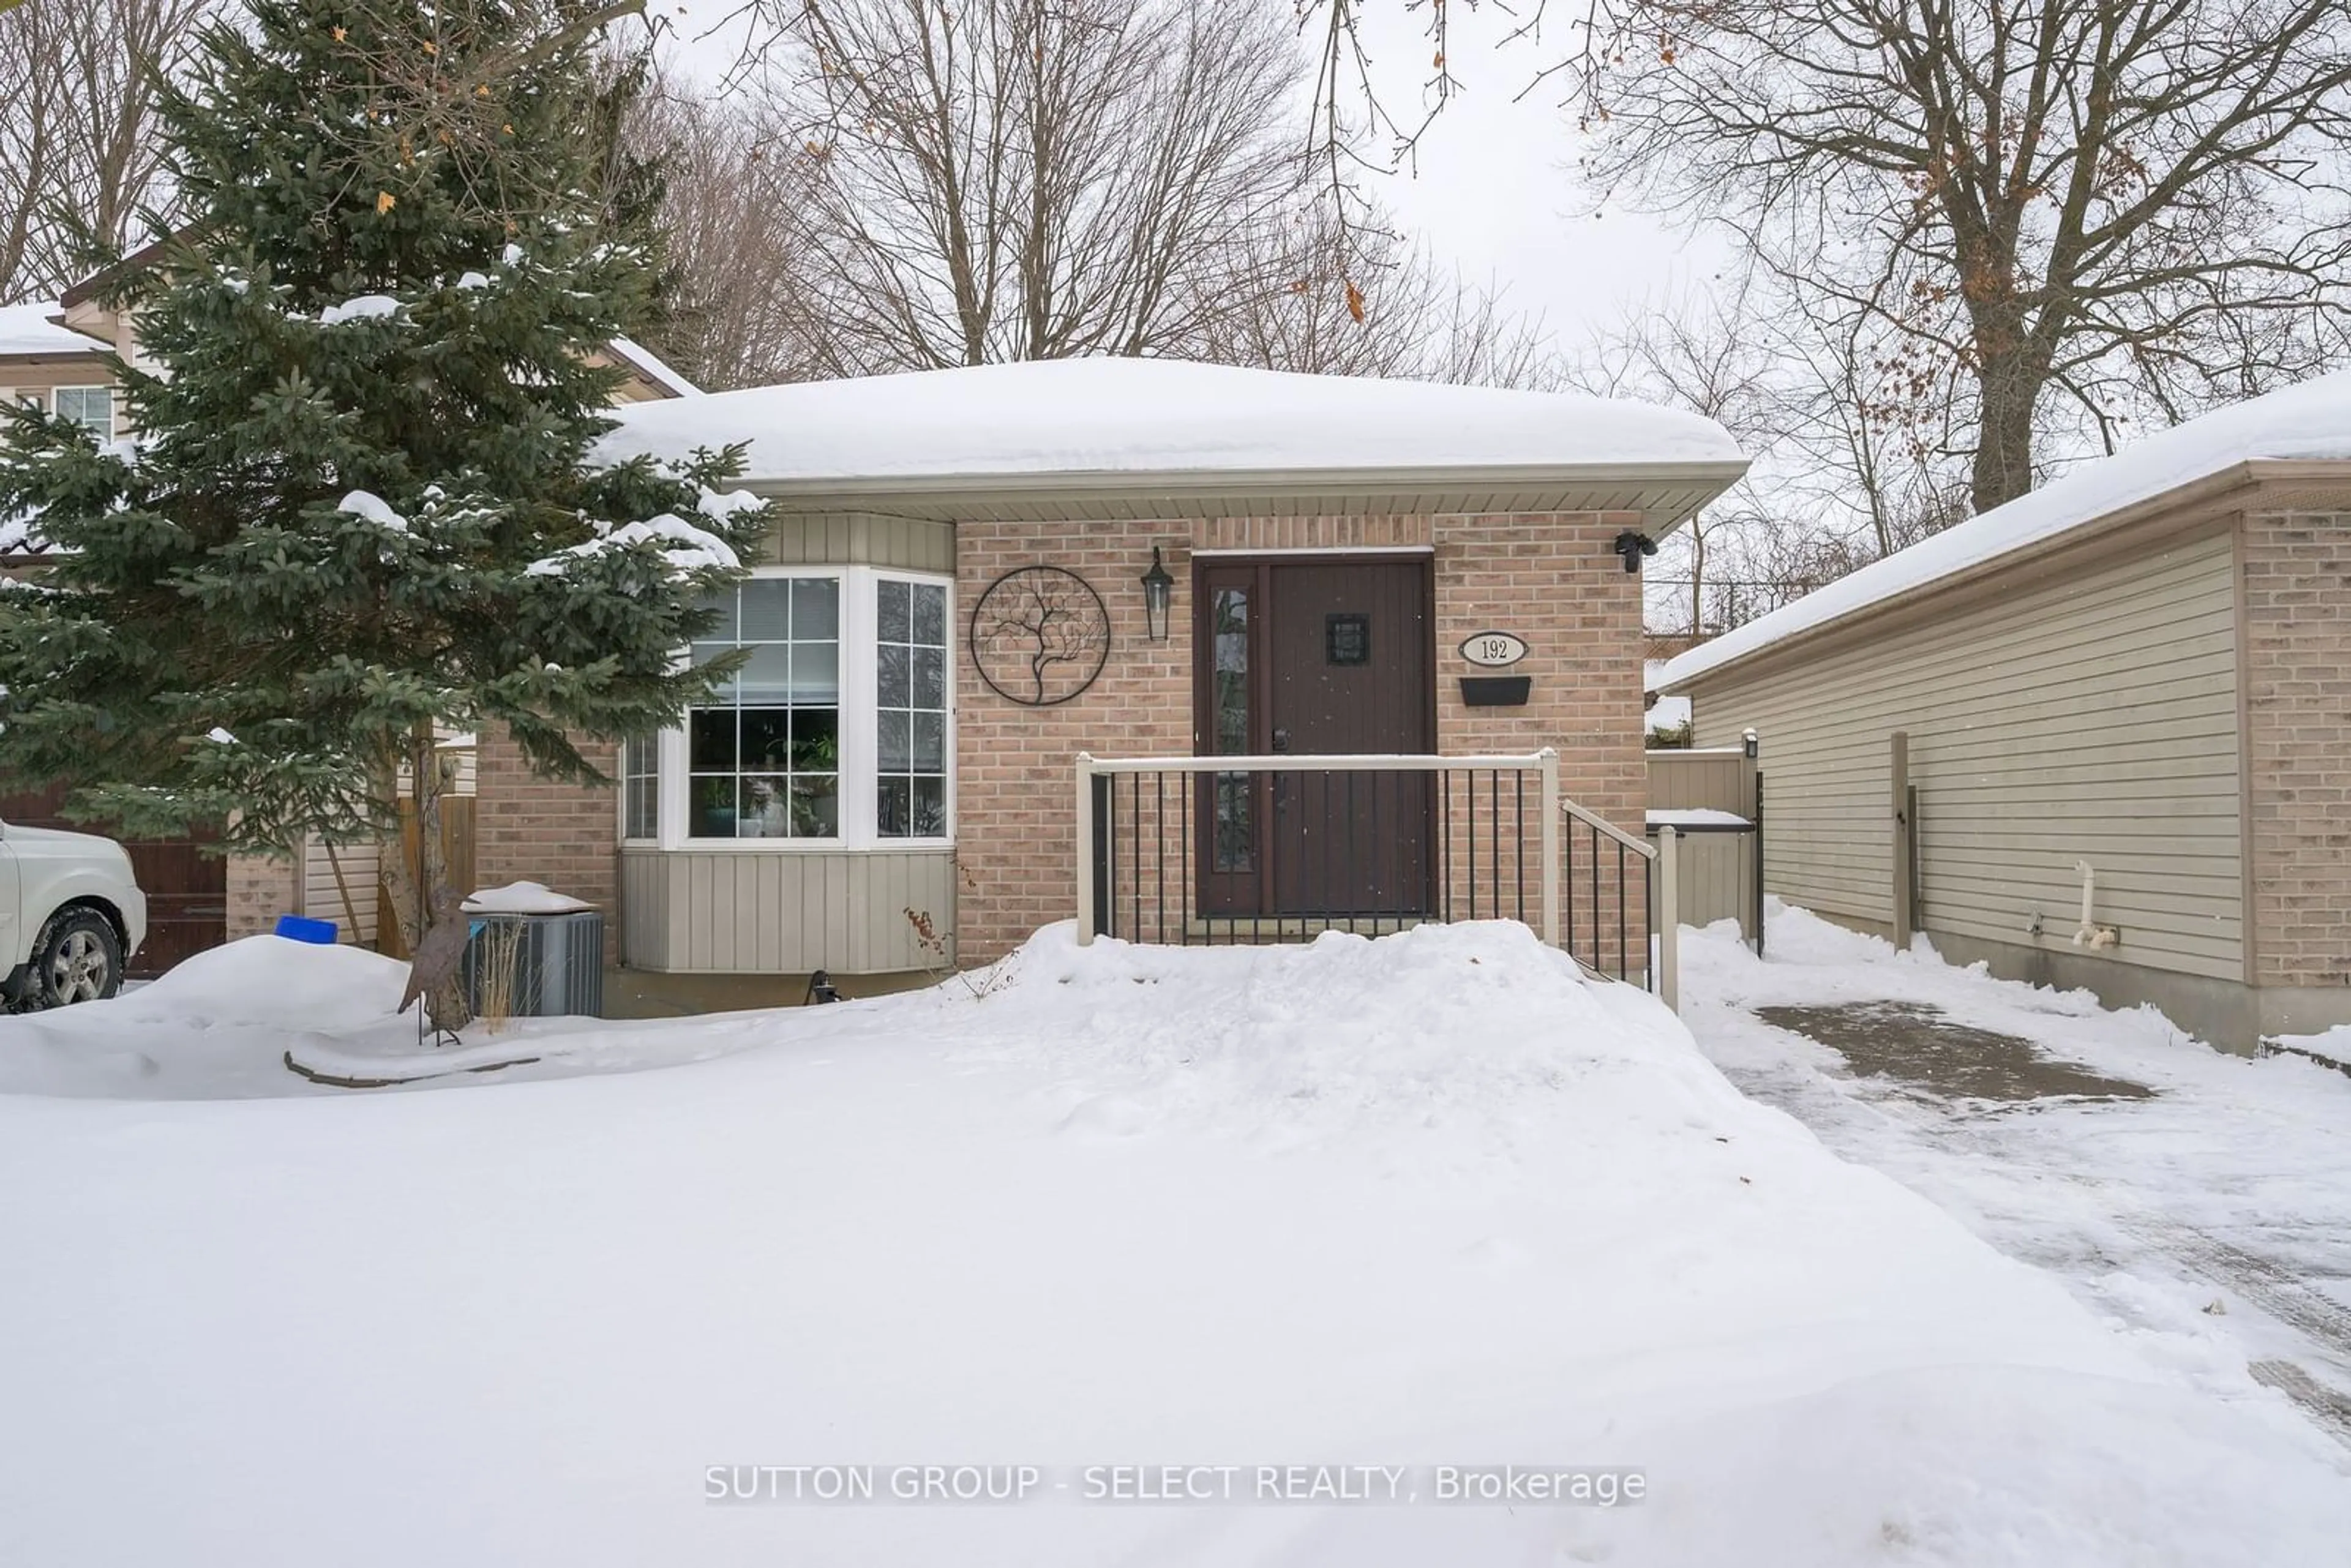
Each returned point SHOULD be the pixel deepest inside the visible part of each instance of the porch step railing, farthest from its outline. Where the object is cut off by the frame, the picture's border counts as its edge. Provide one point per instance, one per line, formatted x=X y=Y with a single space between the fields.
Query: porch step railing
x=1201 y=850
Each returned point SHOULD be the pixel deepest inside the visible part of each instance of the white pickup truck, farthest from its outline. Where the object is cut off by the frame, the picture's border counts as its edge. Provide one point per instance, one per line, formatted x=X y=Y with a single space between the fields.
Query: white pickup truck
x=70 y=915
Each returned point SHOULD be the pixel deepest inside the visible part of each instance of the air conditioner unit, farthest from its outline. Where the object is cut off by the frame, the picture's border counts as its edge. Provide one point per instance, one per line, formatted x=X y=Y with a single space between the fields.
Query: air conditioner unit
x=557 y=963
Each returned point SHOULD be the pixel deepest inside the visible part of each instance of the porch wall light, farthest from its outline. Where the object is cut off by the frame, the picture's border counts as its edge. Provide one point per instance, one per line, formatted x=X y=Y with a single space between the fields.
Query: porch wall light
x=1158 y=594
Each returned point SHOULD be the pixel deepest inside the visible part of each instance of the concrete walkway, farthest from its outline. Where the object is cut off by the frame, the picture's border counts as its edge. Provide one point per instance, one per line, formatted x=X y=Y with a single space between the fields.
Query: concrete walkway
x=2201 y=1202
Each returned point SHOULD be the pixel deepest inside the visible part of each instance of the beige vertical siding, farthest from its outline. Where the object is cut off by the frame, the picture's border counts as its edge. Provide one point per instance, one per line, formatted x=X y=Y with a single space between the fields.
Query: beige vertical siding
x=1714 y=877
x=323 y=899
x=862 y=539
x=2091 y=714
x=740 y=912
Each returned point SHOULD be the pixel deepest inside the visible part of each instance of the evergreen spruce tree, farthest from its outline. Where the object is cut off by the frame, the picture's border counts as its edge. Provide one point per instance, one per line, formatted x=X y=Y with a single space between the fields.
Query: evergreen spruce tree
x=358 y=505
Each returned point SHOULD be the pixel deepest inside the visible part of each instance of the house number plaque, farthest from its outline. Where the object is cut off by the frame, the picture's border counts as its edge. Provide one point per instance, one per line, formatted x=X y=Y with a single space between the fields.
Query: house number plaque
x=1493 y=650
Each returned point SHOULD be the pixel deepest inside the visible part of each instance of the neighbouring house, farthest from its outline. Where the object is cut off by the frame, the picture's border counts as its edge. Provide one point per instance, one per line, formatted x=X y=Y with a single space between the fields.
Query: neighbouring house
x=977 y=574
x=2098 y=737
x=59 y=356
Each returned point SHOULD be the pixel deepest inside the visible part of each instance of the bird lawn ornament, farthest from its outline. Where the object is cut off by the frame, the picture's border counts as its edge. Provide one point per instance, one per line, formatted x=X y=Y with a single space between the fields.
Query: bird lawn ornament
x=438 y=953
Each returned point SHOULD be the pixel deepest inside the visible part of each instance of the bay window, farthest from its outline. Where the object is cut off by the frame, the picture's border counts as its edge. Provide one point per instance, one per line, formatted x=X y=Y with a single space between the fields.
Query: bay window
x=764 y=758
x=641 y=788
x=834 y=731
x=911 y=709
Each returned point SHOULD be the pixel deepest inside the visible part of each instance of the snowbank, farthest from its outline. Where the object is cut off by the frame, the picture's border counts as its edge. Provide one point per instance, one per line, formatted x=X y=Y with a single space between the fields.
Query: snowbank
x=273 y=982
x=213 y=1026
x=2331 y=1046
x=1109 y=416
x=1433 y=1201
x=2309 y=420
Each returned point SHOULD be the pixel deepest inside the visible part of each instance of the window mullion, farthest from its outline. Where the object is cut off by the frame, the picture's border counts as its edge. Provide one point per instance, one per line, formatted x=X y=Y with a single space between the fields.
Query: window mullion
x=671 y=806
x=858 y=725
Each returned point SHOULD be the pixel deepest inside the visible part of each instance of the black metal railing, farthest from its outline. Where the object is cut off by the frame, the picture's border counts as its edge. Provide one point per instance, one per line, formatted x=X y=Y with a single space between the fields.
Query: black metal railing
x=1611 y=887
x=1261 y=854
x=1192 y=850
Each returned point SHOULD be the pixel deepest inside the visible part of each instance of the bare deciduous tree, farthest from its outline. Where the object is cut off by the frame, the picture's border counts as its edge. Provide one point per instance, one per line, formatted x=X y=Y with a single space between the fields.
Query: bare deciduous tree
x=1414 y=321
x=1033 y=179
x=2134 y=206
x=735 y=215
x=1705 y=354
x=79 y=151
x=1029 y=178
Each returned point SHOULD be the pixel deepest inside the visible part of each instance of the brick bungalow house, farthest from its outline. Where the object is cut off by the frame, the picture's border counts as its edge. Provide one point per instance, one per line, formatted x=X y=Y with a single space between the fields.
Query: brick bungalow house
x=976 y=574
x=2130 y=688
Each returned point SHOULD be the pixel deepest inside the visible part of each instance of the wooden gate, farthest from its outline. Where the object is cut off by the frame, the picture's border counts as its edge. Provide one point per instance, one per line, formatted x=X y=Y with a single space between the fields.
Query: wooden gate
x=1715 y=799
x=186 y=885
x=456 y=848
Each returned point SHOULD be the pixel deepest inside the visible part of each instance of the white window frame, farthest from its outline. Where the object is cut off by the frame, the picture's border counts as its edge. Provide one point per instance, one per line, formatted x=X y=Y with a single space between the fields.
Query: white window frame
x=859 y=733
x=660 y=795
x=114 y=418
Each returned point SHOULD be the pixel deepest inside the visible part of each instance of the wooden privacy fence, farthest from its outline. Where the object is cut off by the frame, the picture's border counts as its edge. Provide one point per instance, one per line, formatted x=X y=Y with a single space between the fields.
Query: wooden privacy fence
x=456 y=849
x=1714 y=798
x=185 y=880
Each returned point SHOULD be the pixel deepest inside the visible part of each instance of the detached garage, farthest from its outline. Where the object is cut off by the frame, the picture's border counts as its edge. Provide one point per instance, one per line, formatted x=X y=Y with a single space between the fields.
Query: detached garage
x=2098 y=737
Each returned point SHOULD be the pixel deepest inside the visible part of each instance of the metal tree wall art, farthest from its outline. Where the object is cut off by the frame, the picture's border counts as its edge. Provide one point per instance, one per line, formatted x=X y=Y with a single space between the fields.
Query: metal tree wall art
x=1039 y=635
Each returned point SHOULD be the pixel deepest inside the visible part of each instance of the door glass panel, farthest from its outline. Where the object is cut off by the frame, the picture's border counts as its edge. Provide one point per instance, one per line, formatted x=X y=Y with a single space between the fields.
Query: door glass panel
x=1236 y=826
x=1233 y=836
x=1347 y=639
x=1230 y=631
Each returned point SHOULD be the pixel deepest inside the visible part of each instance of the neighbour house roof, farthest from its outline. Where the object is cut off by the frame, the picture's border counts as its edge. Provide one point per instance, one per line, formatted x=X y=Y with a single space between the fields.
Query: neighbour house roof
x=1135 y=426
x=35 y=331
x=632 y=355
x=641 y=360
x=2311 y=421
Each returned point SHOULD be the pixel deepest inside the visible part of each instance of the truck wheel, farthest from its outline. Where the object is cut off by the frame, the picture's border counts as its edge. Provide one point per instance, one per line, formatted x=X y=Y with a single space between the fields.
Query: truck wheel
x=78 y=958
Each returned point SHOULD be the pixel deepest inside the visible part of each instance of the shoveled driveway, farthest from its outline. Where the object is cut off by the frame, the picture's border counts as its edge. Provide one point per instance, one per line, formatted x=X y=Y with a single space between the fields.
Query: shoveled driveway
x=2200 y=1201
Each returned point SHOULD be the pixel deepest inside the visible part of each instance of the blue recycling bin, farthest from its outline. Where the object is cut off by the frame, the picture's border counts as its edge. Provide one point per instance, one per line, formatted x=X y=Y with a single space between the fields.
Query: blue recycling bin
x=302 y=928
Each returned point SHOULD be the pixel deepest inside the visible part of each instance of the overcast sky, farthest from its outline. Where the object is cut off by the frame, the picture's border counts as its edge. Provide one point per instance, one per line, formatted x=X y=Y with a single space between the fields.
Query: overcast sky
x=1493 y=196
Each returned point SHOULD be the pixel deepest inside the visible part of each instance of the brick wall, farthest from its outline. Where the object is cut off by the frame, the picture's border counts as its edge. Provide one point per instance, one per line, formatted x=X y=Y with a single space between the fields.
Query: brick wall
x=1551 y=578
x=528 y=828
x=2297 y=643
x=259 y=891
x=1014 y=812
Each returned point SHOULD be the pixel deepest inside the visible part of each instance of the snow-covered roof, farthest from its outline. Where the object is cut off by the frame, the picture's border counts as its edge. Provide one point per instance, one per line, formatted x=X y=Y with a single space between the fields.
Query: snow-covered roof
x=29 y=329
x=2310 y=421
x=655 y=371
x=1124 y=419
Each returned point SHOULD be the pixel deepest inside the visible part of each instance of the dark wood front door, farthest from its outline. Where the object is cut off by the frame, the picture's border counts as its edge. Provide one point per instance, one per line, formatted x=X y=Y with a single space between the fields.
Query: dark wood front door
x=1319 y=655
x=186 y=889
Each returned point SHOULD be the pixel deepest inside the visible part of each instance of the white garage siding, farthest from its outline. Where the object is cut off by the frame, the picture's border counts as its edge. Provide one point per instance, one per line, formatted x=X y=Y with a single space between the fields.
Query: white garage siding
x=2091 y=713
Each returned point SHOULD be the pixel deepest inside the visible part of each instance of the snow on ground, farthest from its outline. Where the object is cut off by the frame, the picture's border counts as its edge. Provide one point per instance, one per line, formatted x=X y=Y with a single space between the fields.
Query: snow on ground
x=2332 y=1045
x=1432 y=1201
x=2210 y=1223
